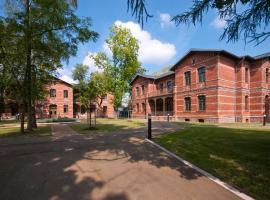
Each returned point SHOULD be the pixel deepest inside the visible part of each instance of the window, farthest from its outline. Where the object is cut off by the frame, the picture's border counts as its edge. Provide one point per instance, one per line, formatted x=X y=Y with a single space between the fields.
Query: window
x=201 y=103
x=143 y=107
x=169 y=86
x=246 y=103
x=65 y=108
x=138 y=107
x=65 y=94
x=266 y=75
x=187 y=78
x=137 y=91
x=246 y=75
x=193 y=61
x=161 y=87
x=52 y=93
x=188 y=103
x=201 y=74
x=142 y=89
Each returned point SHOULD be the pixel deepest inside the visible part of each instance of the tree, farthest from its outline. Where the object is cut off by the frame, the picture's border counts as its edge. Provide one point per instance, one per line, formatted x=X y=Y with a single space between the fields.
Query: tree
x=46 y=33
x=91 y=88
x=124 y=63
x=247 y=18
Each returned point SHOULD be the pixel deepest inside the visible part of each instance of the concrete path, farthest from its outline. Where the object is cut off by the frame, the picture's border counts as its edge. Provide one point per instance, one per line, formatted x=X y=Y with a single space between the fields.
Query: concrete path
x=112 y=166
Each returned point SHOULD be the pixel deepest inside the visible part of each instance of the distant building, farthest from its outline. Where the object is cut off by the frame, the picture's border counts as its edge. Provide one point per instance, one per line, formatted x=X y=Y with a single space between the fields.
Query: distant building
x=104 y=108
x=207 y=85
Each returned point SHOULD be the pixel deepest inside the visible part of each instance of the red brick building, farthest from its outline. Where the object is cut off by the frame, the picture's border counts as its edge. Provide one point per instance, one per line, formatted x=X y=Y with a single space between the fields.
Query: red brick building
x=207 y=85
x=104 y=108
x=59 y=101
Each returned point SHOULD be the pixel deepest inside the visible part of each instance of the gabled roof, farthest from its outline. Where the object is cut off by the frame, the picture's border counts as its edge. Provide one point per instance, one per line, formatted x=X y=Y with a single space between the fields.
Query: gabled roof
x=265 y=55
x=152 y=77
x=205 y=50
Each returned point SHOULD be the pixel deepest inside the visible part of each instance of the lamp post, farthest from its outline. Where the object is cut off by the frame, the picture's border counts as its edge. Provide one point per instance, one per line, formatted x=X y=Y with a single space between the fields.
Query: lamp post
x=264 y=119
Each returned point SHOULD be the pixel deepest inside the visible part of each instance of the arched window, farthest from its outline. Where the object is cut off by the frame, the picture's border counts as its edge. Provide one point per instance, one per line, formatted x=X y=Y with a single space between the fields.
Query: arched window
x=201 y=74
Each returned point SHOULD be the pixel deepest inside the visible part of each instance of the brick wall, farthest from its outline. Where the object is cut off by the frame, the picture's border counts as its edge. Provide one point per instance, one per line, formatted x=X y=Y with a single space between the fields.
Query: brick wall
x=235 y=89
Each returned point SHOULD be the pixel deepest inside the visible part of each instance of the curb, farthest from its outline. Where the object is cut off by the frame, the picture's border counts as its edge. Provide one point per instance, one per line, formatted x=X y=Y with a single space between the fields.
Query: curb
x=209 y=176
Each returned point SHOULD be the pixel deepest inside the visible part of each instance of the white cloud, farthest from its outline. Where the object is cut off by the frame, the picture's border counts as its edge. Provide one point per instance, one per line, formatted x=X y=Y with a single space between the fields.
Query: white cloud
x=152 y=51
x=90 y=62
x=66 y=74
x=68 y=79
x=165 y=20
x=218 y=23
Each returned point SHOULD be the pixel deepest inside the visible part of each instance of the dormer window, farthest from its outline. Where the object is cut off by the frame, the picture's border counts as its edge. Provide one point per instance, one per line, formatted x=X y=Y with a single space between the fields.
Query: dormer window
x=193 y=61
x=266 y=75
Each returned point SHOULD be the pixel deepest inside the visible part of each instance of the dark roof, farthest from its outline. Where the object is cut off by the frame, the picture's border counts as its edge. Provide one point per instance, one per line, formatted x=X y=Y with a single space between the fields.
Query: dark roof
x=265 y=55
x=205 y=50
x=152 y=77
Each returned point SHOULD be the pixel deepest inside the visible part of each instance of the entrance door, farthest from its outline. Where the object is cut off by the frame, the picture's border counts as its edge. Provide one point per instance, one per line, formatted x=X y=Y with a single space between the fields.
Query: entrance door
x=53 y=111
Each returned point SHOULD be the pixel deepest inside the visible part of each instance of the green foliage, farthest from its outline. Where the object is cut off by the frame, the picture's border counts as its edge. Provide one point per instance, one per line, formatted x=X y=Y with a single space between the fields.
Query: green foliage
x=39 y=35
x=124 y=64
x=247 y=18
x=80 y=72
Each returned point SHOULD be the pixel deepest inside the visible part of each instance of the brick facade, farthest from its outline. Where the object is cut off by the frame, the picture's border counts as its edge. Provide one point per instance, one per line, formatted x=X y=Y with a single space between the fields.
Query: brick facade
x=59 y=105
x=103 y=109
x=222 y=88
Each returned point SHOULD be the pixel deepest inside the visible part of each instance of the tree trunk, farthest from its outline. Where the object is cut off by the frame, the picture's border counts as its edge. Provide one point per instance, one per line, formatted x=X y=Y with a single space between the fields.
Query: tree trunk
x=22 y=117
x=90 y=124
x=28 y=67
x=34 y=121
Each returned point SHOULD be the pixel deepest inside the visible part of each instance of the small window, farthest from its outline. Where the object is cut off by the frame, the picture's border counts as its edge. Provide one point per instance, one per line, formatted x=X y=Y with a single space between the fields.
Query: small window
x=188 y=103
x=65 y=94
x=138 y=107
x=170 y=86
x=201 y=74
x=187 y=120
x=201 y=103
x=161 y=86
x=143 y=107
x=187 y=78
x=246 y=103
x=266 y=75
x=65 y=108
x=142 y=89
x=246 y=75
x=52 y=93
x=137 y=91
x=193 y=61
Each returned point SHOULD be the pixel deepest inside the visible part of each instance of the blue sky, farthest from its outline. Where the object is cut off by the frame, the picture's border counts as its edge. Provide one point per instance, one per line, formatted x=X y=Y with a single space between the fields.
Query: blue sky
x=161 y=42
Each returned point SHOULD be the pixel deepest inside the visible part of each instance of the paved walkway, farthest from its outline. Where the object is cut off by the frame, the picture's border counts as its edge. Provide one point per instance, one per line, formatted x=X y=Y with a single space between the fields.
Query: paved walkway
x=112 y=166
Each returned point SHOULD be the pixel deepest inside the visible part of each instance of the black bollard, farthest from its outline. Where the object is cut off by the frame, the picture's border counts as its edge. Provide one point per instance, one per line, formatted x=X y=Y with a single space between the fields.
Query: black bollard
x=149 y=135
x=264 y=120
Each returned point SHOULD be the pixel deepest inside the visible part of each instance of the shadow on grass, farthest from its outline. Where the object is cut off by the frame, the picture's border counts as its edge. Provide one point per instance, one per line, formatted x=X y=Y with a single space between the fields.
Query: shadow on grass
x=71 y=168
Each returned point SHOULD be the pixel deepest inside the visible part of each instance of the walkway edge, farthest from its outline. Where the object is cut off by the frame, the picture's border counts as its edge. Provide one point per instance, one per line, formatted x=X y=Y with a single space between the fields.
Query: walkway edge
x=210 y=176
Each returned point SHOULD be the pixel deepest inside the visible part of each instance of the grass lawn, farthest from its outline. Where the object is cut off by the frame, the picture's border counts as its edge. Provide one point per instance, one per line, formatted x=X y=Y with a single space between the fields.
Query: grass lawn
x=15 y=131
x=107 y=125
x=238 y=156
